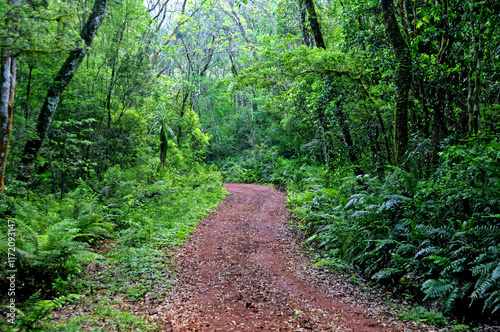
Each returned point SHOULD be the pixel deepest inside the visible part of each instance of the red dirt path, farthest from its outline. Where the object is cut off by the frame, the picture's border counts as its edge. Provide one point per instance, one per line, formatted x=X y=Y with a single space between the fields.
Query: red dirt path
x=241 y=271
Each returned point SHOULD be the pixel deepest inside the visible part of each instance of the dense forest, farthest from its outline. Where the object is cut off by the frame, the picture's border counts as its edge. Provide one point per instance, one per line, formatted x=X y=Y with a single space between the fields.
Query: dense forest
x=120 y=120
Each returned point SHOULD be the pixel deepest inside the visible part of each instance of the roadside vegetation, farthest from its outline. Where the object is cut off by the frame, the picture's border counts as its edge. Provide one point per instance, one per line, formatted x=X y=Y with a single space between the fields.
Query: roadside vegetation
x=407 y=232
x=123 y=226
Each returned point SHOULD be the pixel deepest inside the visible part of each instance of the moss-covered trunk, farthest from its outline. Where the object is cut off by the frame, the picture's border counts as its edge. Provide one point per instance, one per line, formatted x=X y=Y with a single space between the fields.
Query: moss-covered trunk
x=313 y=21
x=402 y=79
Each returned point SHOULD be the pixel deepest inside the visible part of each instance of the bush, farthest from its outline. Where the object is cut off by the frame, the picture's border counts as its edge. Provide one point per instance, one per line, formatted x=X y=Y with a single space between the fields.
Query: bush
x=55 y=236
x=438 y=237
x=50 y=245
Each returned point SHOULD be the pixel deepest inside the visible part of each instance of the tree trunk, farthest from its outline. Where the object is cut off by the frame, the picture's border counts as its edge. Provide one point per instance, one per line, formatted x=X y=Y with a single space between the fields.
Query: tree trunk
x=7 y=90
x=313 y=21
x=402 y=79
x=28 y=94
x=326 y=99
x=211 y=108
x=384 y=133
x=477 y=54
x=348 y=142
x=114 y=73
x=202 y=71
x=306 y=36
x=108 y=109
x=163 y=153
x=66 y=73
x=447 y=40
x=439 y=131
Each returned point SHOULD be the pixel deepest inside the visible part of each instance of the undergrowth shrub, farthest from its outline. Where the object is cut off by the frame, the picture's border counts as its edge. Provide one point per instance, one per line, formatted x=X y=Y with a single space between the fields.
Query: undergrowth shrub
x=138 y=210
x=52 y=240
x=437 y=237
x=265 y=165
x=33 y=313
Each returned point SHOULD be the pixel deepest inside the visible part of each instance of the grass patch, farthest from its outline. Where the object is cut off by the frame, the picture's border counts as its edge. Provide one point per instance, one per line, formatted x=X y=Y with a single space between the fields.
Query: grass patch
x=103 y=317
x=422 y=315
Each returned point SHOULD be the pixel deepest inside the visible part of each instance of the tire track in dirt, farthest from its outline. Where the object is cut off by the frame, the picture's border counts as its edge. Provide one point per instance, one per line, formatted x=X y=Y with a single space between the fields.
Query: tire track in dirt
x=240 y=271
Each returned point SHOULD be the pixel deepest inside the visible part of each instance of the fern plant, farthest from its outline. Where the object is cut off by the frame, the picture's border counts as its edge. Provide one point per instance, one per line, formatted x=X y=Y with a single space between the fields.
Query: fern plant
x=437 y=236
x=47 y=248
x=30 y=314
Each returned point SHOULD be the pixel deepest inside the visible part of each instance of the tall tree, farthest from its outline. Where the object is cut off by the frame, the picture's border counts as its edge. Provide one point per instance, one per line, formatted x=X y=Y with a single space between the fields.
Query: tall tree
x=7 y=86
x=478 y=23
x=313 y=21
x=306 y=36
x=7 y=90
x=60 y=82
x=402 y=79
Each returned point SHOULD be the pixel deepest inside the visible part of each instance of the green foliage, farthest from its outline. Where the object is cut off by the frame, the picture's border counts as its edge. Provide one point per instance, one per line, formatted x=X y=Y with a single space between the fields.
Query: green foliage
x=162 y=89
x=35 y=314
x=31 y=316
x=422 y=315
x=164 y=212
x=44 y=27
x=436 y=236
x=104 y=312
x=265 y=165
x=141 y=210
x=51 y=247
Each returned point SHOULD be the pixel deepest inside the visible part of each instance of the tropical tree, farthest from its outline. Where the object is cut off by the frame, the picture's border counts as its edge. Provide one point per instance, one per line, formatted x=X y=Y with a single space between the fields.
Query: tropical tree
x=62 y=79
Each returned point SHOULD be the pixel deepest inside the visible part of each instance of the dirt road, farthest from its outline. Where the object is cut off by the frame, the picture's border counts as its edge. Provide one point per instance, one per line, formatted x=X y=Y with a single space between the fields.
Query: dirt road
x=241 y=271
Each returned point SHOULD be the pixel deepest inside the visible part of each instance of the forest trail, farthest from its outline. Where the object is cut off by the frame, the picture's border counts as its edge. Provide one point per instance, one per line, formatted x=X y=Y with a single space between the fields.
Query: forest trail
x=242 y=271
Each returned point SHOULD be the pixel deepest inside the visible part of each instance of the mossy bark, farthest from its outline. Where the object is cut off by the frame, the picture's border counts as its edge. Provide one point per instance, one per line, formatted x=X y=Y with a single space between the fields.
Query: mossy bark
x=306 y=36
x=477 y=55
x=402 y=79
x=313 y=21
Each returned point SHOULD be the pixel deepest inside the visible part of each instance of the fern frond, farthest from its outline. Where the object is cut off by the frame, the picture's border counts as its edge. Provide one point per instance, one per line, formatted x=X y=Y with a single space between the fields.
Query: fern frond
x=461 y=251
x=492 y=300
x=443 y=233
x=405 y=248
x=496 y=272
x=360 y=214
x=455 y=266
x=59 y=234
x=352 y=202
x=437 y=288
x=392 y=201
x=483 y=269
x=487 y=234
x=426 y=251
x=440 y=261
x=384 y=242
x=409 y=180
x=387 y=273
x=482 y=286
x=450 y=298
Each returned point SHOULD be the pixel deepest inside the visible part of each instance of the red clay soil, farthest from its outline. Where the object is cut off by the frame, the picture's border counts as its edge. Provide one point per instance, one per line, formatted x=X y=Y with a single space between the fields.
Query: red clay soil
x=242 y=271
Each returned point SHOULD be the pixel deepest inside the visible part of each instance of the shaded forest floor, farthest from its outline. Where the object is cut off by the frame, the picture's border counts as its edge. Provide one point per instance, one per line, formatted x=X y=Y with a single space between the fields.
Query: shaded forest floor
x=244 y=269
